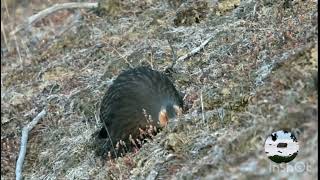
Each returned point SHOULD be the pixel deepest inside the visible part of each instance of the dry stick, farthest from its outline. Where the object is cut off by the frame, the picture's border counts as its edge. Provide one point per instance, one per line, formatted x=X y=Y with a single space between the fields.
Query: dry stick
x=23 y=146
x=123 y=57
x=202 y=108
x=97 y=116
x=195 y=50
x=151 y=59
x=52 y=9
x=15 y=38
x=199 y=48
x=173 y=52
x=4 y=36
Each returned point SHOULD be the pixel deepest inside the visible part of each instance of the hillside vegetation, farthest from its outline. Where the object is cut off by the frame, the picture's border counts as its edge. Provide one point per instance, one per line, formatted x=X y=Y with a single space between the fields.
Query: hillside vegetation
x=256 y=75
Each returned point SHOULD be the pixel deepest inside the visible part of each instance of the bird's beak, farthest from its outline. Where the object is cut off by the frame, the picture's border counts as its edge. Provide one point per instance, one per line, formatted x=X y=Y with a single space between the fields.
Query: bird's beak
x=163 y=118
x=178 y=110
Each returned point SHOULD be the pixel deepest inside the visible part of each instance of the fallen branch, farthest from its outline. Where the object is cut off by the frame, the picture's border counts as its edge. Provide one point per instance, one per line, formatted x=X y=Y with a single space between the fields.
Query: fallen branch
x=195 y=50
x=50 y=10
x=23 y=146
x=202 y=45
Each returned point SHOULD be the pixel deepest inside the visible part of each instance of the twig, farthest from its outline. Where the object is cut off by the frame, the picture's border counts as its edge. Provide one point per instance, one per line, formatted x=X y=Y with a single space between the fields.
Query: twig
x=17 y=48
x=202 y=45
x=195 y=50
x=123 y=57
x=7 y=12
x=32 y=19
x=151 y=54
x=97 y=117
x=173 y=52
x=4 y=36
x=202 y=108
x=23 y=146
x=15 y=38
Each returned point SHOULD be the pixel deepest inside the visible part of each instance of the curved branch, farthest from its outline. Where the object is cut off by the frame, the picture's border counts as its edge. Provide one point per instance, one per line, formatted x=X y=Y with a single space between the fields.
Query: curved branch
x=32 y=19
x=23 y=146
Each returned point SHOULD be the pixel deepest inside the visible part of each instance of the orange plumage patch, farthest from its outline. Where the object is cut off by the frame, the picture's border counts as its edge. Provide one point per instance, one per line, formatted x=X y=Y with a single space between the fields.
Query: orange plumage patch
x=163 y=118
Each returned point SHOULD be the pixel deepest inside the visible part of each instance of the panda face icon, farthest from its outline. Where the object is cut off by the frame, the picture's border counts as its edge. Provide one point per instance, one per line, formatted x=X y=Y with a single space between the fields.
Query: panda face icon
x=281 y=146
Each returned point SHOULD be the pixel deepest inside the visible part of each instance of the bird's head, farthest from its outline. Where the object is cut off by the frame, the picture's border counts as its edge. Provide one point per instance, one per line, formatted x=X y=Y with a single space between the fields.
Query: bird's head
x=169 y=112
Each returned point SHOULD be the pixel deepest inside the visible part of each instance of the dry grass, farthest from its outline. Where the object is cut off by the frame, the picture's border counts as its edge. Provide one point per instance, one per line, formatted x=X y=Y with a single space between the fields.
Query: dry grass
x=257 y=75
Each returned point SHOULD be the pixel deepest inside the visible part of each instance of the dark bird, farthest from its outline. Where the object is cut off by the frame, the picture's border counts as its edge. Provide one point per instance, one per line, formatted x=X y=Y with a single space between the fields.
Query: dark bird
x=138 y=99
